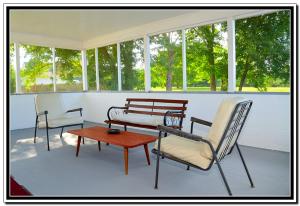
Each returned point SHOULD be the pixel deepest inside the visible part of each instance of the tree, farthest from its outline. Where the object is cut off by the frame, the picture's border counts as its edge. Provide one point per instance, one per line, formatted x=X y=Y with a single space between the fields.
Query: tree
x=168 y=61
x=206 y=56
x=36 y=67
x=263 y=50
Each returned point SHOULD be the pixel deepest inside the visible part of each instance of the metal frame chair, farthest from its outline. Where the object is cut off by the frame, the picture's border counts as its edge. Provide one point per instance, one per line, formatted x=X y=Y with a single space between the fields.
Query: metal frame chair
x=38 y=114
x=225 y=146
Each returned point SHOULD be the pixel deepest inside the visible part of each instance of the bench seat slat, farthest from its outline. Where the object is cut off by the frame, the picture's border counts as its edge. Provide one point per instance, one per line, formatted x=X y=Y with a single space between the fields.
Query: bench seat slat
x=134 y=125
x=153 y=113
x=155 y=107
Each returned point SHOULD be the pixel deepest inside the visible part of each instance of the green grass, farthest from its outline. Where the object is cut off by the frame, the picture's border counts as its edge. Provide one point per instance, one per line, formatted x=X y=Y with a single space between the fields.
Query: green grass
x=245 y=89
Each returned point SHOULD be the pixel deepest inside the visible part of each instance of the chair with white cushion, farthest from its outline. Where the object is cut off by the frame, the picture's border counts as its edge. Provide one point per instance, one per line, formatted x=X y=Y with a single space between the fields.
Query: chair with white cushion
x=202 y=153
x=50 y=114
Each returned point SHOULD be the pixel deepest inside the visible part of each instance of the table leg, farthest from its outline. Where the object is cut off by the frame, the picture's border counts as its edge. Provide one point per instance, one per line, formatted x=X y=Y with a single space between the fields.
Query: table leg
x=147 y=153
x=126 y=160
x=78 y=145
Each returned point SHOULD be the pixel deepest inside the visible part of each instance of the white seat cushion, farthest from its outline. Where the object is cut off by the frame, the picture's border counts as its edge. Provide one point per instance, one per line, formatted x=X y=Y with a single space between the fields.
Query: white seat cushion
x=61 y=121
x=152 y=120
x=184 y=149
x=51 y=103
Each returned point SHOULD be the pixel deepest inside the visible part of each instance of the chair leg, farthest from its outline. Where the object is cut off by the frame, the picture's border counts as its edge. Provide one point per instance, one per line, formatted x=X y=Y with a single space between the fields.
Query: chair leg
x=99 y=145
x=61 y=132
x=157 y=162
x=36 y=120
x=47 y=138
x=245 y=166
x=125 y=128
x=188 y=167
x=223 y=177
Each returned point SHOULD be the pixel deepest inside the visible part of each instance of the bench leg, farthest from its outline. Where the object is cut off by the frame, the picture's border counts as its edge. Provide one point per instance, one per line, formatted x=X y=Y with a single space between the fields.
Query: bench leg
x=109 y=126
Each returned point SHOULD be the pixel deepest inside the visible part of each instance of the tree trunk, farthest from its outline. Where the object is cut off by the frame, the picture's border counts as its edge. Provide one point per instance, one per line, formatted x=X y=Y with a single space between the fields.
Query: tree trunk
x=211 y=60
x=244 y=75
x=171 y=54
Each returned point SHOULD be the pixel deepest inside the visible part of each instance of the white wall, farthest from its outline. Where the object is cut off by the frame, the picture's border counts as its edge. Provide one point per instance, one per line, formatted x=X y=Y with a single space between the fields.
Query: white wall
x=268 y=125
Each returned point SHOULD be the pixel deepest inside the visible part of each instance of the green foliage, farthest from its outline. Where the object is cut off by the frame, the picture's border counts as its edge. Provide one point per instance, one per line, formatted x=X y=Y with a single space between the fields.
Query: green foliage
x=263 y=50
x=12 y=73
x=38 y=66
x=108 y=70
x=91 y=69
x=131 y=54
x=166 y=60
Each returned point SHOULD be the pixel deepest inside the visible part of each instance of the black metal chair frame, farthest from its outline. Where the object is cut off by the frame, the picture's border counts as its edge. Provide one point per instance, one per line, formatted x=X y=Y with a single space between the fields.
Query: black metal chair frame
x=237 y=119
x=47 y=127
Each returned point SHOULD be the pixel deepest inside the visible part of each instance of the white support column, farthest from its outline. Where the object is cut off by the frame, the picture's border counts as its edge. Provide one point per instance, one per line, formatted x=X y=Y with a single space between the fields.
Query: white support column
x=17 y=67
x=184 y=81
x=231 y=55
x=53 y=69
x=84 y=70
x=119 y=67
x=147 y=63
x=97 y=69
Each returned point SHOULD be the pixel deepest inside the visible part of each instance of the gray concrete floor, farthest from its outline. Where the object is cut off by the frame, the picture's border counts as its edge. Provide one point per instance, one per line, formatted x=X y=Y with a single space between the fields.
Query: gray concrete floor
x=94 y=173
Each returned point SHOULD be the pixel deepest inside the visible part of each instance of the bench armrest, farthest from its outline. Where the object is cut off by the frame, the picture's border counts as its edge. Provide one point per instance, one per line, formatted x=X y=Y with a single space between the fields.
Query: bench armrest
x=108 y=111
x=169 y=114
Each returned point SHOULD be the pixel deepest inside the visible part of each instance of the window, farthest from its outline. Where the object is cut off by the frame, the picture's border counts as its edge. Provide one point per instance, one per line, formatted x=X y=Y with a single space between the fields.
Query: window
x=166 y=61
x=68 y=70
x=12 y=70
x=206 y=57
x=132 y=65
x=91 y=69
x=263 y=53
x=36 y=69
x=108 y=69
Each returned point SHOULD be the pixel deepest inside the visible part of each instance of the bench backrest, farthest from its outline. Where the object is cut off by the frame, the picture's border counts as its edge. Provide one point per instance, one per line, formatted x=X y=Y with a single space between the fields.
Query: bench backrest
x=156 y=106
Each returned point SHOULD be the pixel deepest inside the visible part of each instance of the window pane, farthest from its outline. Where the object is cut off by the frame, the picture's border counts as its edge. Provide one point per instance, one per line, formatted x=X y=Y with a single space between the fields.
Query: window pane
x=91 y=69
x=68 y=70
x=12 y=70
x=36 y=69
x=263 y=53
x=206 y=53
x=132 y=64
x=166 y=61
x=108 y=69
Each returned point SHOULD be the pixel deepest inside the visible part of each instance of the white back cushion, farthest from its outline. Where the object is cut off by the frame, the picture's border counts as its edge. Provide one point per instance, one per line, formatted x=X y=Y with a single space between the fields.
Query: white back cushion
x=220 y=122
x=51 y=103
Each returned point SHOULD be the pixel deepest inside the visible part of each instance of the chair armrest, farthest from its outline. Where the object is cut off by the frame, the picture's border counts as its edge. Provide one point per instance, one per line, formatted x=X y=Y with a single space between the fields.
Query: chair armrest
x=169 y=113
x=74 y=110
x=201 y=121
x=42 y=113
x=108 y=111
x=181 y=133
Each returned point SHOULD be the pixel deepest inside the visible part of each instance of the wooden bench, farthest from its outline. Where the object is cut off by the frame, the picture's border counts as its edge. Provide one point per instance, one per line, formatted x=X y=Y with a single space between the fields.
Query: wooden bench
x=148 y=113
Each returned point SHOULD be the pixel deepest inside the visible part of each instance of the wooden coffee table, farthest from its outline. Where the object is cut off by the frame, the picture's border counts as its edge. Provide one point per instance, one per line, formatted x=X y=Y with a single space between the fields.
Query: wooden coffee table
x=124 y=139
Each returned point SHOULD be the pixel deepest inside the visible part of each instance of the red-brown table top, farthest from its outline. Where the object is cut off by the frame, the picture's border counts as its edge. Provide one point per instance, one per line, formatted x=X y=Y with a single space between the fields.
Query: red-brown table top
x=123 y=139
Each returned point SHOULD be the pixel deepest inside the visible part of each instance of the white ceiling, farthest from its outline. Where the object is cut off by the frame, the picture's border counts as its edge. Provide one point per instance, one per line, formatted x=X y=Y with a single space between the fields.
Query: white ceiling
x=82 y=25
